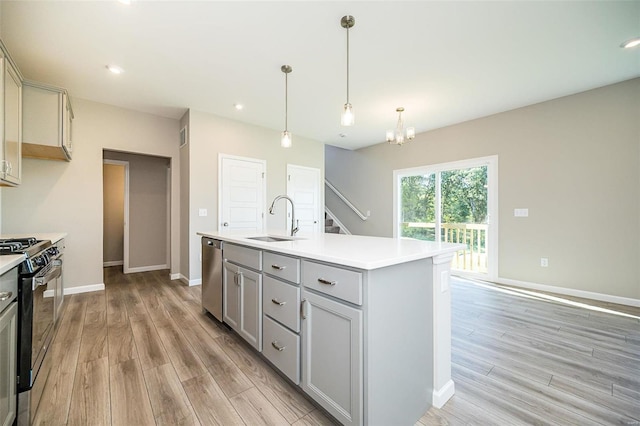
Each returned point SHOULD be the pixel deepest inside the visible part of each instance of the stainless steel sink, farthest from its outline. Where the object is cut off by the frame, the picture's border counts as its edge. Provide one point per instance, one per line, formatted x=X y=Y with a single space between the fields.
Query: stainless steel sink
x=269 y=239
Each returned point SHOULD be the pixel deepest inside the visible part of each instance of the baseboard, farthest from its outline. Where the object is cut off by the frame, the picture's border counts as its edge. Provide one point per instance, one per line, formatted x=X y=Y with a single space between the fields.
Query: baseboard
x=571 y=292
x=146 y=268
x=442 y=395
x=112 y=263
x=186 y=280
x=78 y=289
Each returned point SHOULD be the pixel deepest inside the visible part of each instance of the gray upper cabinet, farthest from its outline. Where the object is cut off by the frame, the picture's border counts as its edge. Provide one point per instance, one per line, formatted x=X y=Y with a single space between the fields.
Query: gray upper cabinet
x=11 y=124
x=47 y=122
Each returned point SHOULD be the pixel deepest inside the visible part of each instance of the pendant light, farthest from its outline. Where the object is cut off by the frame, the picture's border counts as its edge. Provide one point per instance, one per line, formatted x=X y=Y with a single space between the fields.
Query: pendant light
x=398 y=136
x=347 y=22
x=285 y=139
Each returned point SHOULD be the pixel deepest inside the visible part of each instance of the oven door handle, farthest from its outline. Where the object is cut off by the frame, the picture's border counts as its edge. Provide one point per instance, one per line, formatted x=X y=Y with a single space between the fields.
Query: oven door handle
x=51 y=275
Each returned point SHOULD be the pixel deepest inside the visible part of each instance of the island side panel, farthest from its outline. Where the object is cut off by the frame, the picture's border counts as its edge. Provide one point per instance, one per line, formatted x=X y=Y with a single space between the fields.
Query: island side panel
x=443 y=387
x=398 y=343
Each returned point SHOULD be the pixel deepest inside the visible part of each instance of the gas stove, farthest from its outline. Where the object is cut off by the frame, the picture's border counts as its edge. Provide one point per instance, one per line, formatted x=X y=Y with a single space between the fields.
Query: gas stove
x=38 y=253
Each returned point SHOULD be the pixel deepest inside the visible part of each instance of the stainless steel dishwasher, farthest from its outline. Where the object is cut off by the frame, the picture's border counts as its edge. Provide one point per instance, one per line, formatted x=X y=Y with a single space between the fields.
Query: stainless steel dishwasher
x=212 y=277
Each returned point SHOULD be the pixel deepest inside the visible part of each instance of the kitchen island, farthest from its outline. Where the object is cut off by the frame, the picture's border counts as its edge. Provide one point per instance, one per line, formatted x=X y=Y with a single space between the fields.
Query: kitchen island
x=362 y=324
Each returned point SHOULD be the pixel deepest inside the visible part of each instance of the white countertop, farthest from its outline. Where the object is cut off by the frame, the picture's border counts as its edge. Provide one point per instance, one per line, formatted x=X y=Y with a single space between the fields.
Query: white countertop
x=349 y=250
x=54 y=237
x=7 y=262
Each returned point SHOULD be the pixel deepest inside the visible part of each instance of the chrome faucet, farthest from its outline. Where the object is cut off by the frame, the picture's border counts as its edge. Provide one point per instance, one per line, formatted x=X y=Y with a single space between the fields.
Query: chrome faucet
x=294 y=223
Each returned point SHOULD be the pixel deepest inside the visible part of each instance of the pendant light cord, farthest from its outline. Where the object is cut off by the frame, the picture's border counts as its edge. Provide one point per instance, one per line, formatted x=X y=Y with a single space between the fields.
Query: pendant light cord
x=286 y=100
x=347 y=64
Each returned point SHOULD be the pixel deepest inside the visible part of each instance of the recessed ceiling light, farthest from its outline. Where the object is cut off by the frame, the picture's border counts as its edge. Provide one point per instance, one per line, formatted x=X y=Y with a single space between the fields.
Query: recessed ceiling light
x=115 y=69
x=127 y=2
x=238 y=106
x=631 y=43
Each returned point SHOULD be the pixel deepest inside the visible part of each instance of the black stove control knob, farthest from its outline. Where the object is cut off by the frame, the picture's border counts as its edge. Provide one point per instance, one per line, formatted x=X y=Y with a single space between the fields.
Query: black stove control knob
x=39 y=261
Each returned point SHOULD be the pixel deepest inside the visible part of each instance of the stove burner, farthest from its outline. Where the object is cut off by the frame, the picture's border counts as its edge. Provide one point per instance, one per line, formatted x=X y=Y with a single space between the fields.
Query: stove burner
x=16 y=245
x=10 y=247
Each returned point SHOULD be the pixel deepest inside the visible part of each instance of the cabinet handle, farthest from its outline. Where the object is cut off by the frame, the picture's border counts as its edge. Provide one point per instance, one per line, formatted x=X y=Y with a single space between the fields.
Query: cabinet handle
x=278 y=348
x=278 y=267
x=302 y=313
x=5 y=295
x=277 y=302
x=237 y=278
x=327 y=282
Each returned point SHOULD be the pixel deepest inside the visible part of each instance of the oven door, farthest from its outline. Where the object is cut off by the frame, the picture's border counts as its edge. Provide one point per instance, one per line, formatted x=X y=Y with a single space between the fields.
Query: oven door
x=35 y=322
x=43 y=314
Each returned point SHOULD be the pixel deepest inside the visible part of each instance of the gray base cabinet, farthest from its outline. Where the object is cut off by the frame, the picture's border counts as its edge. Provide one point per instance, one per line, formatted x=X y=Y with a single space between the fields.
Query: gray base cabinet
x=8 y=357
x=363 y=344
x=332 y=361
x=242 y=289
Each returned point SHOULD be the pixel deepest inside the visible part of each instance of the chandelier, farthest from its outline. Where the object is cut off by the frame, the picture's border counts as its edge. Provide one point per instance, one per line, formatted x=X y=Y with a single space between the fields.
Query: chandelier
x=399 y=135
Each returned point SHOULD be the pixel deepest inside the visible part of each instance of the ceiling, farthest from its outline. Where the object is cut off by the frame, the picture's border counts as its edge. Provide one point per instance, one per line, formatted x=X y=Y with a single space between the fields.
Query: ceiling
x=444 y=62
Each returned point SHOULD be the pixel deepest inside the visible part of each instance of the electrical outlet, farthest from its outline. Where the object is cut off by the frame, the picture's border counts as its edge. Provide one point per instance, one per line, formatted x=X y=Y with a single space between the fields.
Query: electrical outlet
x=544 y=262
x=202 y=212
x=521 y=212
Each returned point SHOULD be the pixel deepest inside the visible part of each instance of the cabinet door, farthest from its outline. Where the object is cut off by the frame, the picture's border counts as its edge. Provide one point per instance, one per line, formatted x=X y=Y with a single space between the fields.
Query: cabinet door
x=231 y=288
x=332 y=362
x=8 y=347
x=12 y=125
x=67 y=125
x=251 y=307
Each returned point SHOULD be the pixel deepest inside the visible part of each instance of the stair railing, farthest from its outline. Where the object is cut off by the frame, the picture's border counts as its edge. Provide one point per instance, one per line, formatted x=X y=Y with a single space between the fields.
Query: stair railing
x=344 y=199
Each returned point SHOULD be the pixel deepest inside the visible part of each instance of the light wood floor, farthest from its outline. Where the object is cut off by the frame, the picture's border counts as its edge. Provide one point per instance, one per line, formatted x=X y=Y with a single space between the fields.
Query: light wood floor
x=142 y=353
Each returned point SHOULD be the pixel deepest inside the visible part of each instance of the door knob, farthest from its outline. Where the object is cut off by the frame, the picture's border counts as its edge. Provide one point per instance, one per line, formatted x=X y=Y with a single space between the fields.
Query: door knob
x=225 y=224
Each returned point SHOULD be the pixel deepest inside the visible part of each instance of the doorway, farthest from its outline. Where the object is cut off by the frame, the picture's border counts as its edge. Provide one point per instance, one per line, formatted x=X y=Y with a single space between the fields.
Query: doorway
x=136 y=209
x=242 y=189
x=452 y=202
x=115 y=193
x=303 y=187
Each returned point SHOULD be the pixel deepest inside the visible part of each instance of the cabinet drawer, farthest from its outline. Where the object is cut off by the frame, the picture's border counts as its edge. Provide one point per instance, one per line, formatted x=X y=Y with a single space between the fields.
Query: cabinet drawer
x=244 y=256
x=282 y=348
x=281 y=301
x=337 y=282
x=284 y=267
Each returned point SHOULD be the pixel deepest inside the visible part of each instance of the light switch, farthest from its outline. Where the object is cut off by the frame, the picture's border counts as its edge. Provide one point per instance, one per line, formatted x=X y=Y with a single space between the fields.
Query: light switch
x=521 y=212
x=202 y=212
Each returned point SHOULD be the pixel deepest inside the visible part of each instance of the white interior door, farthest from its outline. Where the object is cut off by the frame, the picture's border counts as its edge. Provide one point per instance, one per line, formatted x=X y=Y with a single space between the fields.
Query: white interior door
x=241 y=193
x=303 y=187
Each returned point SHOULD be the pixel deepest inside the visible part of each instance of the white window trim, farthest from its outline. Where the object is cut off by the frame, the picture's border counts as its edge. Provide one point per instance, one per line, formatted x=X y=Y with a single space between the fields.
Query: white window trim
x=492 y=207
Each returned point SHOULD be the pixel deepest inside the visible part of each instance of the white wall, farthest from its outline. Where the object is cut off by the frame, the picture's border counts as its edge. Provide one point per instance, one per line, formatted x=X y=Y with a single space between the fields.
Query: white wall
x=574 y=162
x=67 y=196
x=211 y=135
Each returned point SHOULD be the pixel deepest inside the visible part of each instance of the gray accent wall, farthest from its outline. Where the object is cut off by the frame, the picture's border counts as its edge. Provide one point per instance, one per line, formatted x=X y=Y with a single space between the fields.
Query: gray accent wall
x=574 y=162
